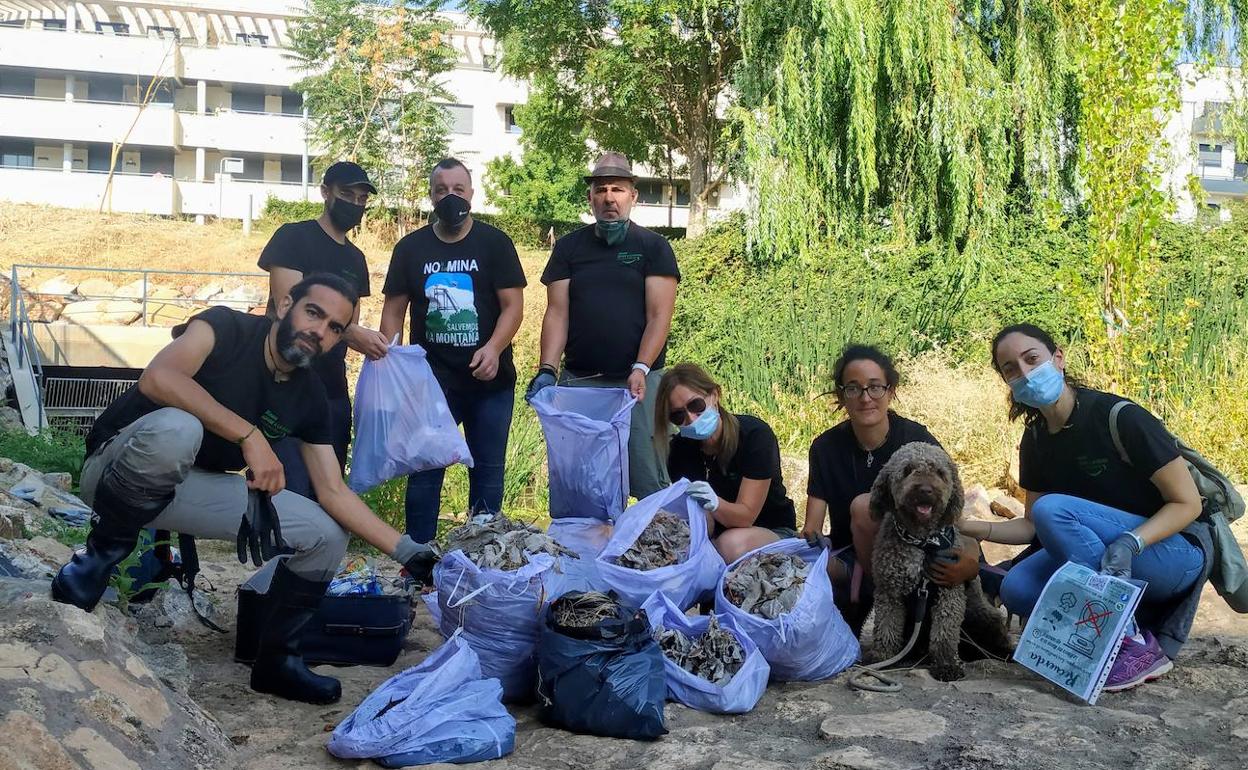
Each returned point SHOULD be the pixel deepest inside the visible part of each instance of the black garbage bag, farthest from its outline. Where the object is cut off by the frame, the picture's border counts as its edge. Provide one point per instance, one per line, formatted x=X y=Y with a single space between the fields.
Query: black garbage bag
x=604 y=679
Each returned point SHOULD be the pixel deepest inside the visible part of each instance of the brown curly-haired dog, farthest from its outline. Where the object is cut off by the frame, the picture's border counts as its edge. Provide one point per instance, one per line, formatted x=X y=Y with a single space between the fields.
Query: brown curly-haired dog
x=918 y=499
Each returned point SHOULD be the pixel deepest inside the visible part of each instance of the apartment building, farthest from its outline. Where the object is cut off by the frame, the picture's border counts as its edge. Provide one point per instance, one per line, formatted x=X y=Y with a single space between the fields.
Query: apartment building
x=223 y=128
x=1205 y=169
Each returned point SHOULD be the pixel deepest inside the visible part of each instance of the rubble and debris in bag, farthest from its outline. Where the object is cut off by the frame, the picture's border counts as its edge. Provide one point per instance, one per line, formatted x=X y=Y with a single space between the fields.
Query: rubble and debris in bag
x=664 y=541
x=767 y=584
x=715 y=656
x=583 y=610
x=497 y=542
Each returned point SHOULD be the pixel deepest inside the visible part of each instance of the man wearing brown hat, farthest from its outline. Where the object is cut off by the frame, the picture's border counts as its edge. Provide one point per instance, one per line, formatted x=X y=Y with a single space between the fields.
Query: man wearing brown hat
x=610 y=294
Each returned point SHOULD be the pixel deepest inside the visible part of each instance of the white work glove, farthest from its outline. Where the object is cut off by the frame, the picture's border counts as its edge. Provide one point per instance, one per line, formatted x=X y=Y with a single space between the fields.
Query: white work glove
x=703 y=495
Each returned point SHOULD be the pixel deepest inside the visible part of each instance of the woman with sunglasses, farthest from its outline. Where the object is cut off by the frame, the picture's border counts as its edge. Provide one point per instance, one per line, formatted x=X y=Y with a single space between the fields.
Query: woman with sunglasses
x=733 y=461
x=1130 y=512
x=844 y=462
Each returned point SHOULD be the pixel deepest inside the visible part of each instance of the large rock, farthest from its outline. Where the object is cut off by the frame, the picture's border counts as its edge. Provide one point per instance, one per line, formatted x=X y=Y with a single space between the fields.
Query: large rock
x=170 y=313
x=96 y=288
x=102 y=311
x=100 y=704
x=60 y=286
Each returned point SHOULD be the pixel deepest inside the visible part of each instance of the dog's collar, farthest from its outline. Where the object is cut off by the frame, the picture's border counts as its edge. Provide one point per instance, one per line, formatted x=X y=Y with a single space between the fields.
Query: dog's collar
x=937 y=541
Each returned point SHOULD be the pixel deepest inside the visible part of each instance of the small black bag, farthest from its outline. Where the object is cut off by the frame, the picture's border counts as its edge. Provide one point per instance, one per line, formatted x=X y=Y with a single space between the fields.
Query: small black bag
x=345 y=631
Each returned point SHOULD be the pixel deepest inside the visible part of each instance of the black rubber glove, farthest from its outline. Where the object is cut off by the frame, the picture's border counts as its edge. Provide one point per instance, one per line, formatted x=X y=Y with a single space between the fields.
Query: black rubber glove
x=260 y=532
x=544 y=378
x=417 y=558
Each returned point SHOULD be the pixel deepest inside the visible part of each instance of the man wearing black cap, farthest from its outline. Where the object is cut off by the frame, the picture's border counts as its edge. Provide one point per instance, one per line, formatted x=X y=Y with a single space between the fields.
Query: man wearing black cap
x=320 y=245
x=610 y=294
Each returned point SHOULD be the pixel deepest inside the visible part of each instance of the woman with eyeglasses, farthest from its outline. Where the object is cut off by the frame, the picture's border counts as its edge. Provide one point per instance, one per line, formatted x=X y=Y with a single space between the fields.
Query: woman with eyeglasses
x=844 y=462
x=733 y=461
x=1126 y=506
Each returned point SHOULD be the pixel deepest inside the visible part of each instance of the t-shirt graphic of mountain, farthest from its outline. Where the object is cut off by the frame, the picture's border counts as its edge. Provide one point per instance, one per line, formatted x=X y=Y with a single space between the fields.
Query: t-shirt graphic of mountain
x=452 y=315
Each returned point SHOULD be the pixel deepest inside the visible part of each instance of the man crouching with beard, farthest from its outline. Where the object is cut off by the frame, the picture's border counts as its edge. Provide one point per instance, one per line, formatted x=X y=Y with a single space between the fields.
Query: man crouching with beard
x=168 y=452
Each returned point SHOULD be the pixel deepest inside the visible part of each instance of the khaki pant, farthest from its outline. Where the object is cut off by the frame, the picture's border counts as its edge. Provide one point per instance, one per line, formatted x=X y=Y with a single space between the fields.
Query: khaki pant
x=156 y=453
x=646 y=474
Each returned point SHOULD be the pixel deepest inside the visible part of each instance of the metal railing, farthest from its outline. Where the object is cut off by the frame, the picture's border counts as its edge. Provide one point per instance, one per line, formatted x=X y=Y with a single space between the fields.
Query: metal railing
x=143 y=297
x=22 y=334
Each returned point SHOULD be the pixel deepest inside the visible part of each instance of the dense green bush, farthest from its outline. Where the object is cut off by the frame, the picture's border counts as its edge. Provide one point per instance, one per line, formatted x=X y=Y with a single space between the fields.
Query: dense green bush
x=281 y=211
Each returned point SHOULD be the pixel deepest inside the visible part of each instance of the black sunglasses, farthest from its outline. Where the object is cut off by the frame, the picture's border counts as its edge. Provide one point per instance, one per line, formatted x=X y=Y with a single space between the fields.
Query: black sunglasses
x=695 y=405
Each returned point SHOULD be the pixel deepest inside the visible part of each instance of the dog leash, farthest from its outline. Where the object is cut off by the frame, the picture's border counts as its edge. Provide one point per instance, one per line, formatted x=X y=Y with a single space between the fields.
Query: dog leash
x=859 y=680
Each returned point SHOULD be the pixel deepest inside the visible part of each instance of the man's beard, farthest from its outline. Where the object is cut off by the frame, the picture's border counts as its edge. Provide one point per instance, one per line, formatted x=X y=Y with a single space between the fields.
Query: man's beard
x=290 y=350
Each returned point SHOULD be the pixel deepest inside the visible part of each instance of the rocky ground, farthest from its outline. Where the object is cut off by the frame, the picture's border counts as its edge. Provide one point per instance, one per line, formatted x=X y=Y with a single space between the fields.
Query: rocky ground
x=153 y=688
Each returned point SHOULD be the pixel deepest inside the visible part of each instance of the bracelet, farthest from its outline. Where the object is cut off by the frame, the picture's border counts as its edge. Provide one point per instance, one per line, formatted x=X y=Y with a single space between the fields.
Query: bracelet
x=244 y=438
x=644 y=369
x=547 y=368
x=1139 y=541
x=989 y=538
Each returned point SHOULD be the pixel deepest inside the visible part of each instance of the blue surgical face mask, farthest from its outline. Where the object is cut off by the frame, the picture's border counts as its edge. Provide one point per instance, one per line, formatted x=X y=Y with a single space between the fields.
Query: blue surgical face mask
x=1040 y=387
x=612 y=231
x=703 y=427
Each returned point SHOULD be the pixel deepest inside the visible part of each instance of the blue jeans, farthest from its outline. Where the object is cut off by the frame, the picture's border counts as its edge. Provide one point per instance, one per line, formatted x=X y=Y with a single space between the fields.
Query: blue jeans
x=287 y=449
x=1074 y=529
x=486 y=418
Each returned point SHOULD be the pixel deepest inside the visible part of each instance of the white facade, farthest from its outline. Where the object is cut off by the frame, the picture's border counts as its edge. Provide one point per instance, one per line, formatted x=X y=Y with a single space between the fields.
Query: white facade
x=1202 y=154
x=71 y=76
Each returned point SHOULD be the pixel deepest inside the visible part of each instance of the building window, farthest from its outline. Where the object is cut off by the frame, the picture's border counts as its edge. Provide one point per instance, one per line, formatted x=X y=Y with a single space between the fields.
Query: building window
x=292 y=103
x=1210 y=154
x=156 y=160
x=56 y=25
x=112 y=28
x=168 y=33
x=98 y=156
x=650 y=191
x=509 y=119
x=17 y=153
x=292 y=170
x=244 y=38
x=242 y=100
x=488 y=61
x=16 y=83
x=682 y=193
x=460 y=116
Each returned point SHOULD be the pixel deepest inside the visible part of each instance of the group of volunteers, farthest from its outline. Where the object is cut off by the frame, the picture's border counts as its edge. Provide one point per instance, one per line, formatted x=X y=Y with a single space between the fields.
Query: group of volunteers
x=269 y=394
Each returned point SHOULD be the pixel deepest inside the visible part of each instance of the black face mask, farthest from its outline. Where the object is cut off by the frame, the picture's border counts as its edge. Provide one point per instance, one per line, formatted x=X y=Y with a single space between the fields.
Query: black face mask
x=345 y=215
x=452 y=210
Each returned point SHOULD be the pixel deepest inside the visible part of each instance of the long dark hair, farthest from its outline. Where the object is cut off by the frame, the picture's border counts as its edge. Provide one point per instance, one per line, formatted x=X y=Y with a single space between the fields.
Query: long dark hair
x=1030 y=414
x=858 y=352
x=696 y=379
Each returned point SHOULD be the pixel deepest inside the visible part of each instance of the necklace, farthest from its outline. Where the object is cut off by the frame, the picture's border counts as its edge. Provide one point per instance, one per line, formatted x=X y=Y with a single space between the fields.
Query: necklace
x=871 y=452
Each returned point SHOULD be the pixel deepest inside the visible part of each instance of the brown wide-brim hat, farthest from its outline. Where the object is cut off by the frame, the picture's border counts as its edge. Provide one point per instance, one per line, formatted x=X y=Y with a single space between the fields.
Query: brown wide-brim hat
x=611 y=165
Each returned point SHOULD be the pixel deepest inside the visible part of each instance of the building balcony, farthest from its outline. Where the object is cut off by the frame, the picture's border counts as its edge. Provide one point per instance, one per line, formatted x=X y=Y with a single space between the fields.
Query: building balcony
x=56 y=120
x=82 y=51
x=238 y=64
x=229 y=199
x=131 y=193
x=231 y=131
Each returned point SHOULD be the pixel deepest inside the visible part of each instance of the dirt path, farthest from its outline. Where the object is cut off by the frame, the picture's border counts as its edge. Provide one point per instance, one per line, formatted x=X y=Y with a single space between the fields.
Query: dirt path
x=998 y=717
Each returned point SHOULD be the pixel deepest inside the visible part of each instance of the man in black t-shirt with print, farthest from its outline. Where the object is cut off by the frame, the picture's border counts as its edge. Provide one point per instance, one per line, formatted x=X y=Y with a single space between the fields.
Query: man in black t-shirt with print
x=320 y=245
x=610 y=294
x=167 y=454
x=463 y=282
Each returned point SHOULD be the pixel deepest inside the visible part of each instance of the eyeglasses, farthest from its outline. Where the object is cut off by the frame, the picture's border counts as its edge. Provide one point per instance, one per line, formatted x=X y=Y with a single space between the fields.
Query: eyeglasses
x=695 y=405
x=854 y=390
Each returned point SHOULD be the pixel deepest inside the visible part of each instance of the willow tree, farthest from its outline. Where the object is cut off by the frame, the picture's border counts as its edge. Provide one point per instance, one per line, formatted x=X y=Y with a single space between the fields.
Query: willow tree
x=929 y=116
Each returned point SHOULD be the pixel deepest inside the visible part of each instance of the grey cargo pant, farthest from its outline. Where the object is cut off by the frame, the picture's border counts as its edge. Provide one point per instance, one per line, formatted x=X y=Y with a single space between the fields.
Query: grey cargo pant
x=157 y=452
x=646 y=475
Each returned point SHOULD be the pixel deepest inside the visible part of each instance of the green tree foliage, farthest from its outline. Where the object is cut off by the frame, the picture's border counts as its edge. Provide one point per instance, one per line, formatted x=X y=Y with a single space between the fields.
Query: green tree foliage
x=372 y=87
x=645 y=77
x=547 y=183
x=927 y=115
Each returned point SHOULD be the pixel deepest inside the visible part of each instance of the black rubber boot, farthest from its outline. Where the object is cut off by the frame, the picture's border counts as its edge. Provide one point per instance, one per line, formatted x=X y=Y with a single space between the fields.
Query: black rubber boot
x=279 y=668
x=115 y=526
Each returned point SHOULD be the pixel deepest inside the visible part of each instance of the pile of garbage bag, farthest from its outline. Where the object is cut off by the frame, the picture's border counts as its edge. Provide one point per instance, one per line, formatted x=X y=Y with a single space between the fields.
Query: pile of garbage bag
x=601 y=672
x=443 y=710
x=493 y=541
x=808 y=642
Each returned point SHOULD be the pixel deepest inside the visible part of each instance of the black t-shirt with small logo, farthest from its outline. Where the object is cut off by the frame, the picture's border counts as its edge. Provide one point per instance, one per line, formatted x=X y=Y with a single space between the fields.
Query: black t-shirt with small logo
x=607 y=296
x=1081 y=459
x=307 y=248
x=840 y=470
x=453 y=290
x=757 y=457
x=235 y=374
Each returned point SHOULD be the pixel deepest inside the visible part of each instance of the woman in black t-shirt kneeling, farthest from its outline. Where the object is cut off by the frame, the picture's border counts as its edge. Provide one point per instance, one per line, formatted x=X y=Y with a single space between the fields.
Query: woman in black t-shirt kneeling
x=1126 y=506
x=733 y=461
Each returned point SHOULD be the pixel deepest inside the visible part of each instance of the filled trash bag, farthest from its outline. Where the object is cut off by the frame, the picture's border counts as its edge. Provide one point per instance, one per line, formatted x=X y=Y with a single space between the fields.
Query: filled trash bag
x=442 y=710
x=736 y=696
x=402 y=422
x=684 y=582
x=810 y=642
x=500 y=612
x=604 y=677
x=586 y=537
x=586 y=432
